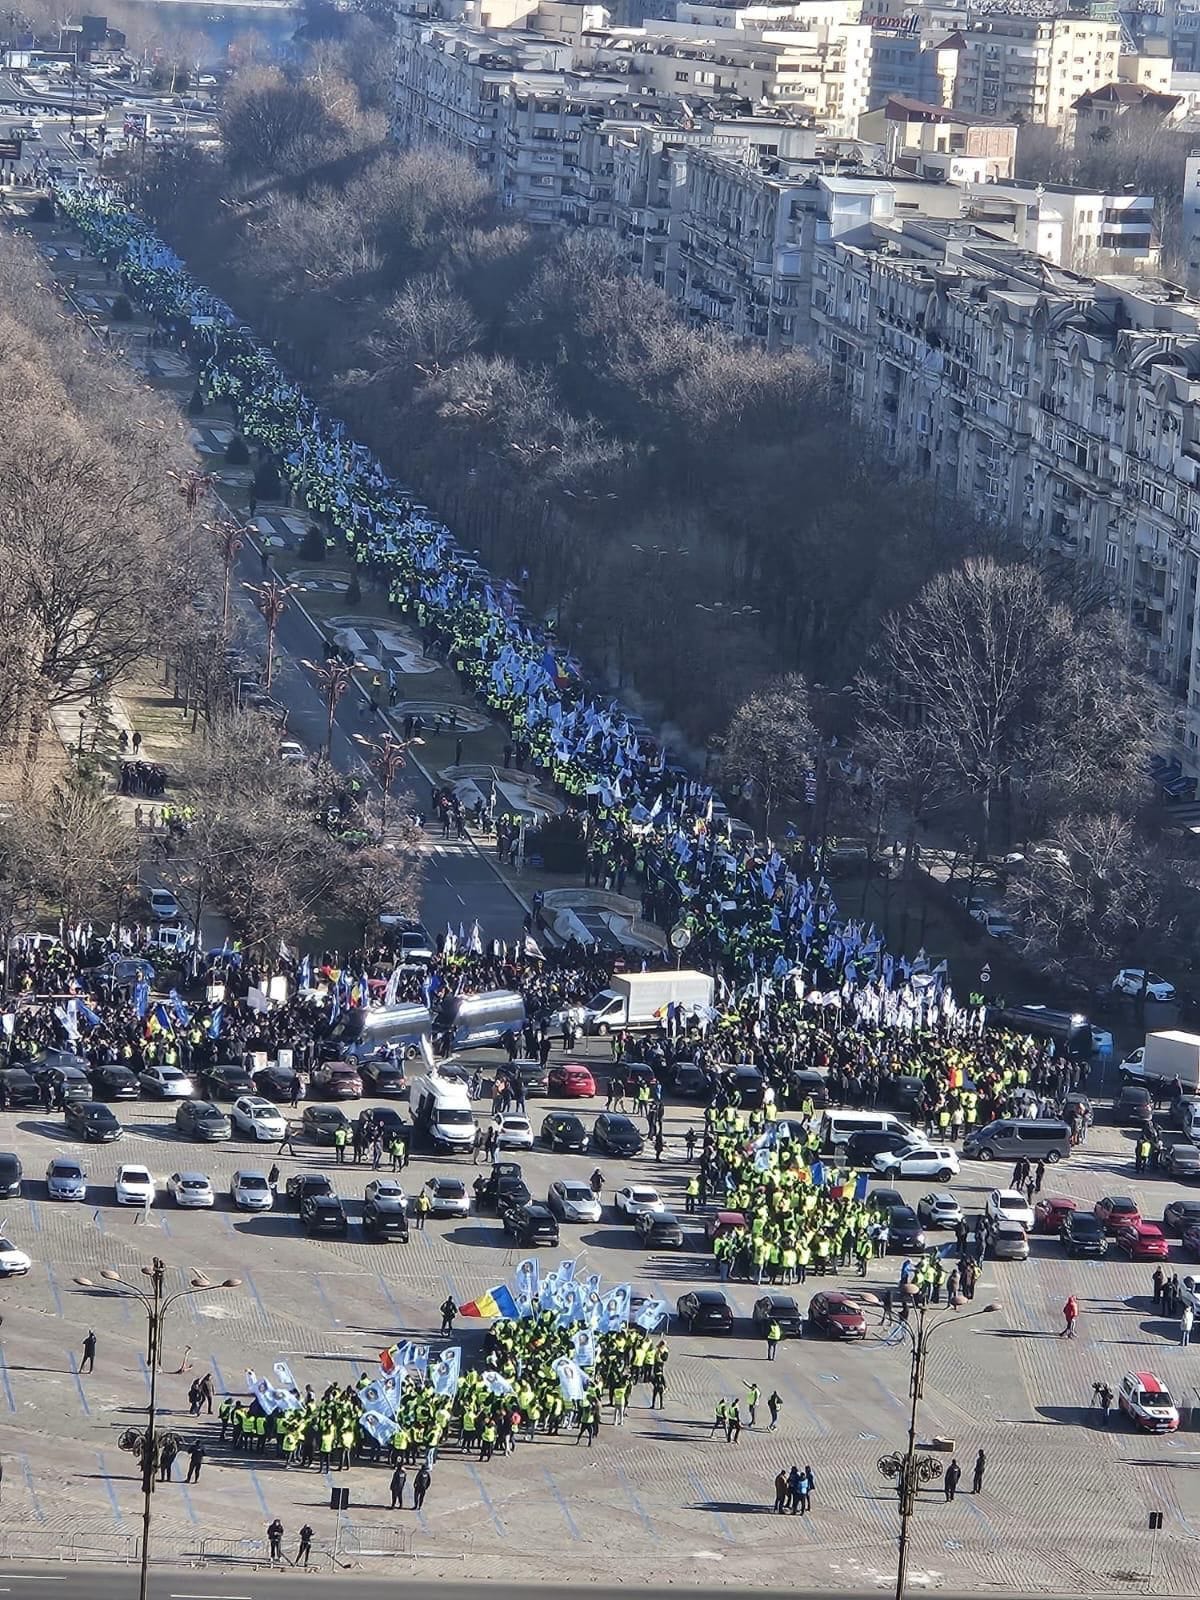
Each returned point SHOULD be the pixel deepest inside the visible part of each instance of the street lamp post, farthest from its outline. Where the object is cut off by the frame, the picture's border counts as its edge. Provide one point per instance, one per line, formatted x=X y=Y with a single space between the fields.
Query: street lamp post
x=910 y=1469
x=230 y=538
x=271 y=599
x=335 y=675
x=156 y=1303
x=387 y=757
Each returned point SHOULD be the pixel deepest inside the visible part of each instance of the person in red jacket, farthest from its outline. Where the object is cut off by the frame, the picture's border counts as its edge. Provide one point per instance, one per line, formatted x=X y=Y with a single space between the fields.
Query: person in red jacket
x=1070 y=1313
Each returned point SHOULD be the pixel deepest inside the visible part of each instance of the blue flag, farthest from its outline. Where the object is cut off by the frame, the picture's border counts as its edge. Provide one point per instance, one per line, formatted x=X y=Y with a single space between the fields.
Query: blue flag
x=214 y=1023
x=141 y=998
x=861 y=1184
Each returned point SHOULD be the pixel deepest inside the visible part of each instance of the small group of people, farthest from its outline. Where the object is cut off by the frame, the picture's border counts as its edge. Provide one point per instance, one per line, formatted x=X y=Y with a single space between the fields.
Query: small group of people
x=794 y=1491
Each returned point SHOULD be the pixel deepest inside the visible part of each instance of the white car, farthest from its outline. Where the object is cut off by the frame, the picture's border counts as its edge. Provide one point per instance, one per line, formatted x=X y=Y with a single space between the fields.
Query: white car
x=291 y=753
x=1130 y=981
x=639 y=1200
x=994 y=923
x=135 y=1186
x=250 y=1191
x=918 y=1160
x=573 y=1201
x=190 y=1189
x=448 y=1197
x=939 y=1209
x=1147 y=1403
x=14 y=1263
x=163 y=905
x=258 y=1119
x=1009 y=1205
x=387 y=1195
x=513 y=1133
x=166 y=1082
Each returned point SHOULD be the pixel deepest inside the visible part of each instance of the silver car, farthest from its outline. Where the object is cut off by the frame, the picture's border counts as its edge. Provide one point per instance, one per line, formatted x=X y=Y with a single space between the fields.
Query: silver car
x=387 y=1195
x=66 y=1179
x=1009 y=1242
x=573 y=1201
x=448 y=1197
x=250 y=1191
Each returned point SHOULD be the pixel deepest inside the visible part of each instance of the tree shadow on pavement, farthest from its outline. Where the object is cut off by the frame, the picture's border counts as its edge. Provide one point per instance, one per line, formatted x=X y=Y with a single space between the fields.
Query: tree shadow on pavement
x=1071 y=1416
x=741 y=1507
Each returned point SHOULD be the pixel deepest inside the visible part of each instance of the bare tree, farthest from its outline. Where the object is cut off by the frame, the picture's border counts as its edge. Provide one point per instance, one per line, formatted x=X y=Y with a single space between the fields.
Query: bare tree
x=771 y=744
x=384 y=879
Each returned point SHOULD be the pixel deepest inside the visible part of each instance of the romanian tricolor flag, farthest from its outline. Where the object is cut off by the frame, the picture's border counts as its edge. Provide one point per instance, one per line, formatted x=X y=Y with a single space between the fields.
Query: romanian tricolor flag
x=497 y=1302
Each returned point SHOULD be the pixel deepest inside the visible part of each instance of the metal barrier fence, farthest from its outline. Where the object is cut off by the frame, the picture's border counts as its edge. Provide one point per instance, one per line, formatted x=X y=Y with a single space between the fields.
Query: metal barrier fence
x=23 y=1544
x=355 y=1540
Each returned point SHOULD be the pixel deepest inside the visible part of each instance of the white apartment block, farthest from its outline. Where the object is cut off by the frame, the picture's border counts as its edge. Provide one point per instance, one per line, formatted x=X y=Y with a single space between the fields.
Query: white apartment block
x=1067 y=407
x=1034 y=68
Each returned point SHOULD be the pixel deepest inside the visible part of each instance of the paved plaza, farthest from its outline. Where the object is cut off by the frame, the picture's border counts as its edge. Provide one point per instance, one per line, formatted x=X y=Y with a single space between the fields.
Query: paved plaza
x=1064 y=1504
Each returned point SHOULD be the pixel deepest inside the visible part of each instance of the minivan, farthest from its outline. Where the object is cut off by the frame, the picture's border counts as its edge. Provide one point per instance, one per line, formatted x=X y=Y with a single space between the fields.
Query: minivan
x=1039 y=1138
x=838 y=1126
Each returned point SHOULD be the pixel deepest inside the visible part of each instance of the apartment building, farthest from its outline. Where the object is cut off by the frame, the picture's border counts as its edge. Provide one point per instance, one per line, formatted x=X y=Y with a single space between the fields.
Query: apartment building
x=1034 y=69
x=961 y=146
x=1074 y=228
x=1067 y=407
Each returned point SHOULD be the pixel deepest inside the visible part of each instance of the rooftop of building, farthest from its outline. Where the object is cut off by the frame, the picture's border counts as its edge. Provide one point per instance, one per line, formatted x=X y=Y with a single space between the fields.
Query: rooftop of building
x=1130 y=95
x=903 y=108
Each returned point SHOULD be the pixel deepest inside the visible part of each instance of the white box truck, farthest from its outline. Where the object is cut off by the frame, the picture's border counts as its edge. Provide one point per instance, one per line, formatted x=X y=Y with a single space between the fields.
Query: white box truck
x=1163 y=1058
x=640 y=999
x=441 y=1110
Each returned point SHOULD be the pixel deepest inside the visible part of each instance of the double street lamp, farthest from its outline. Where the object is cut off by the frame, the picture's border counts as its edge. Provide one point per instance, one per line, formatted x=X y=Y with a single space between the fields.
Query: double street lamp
x=386 y=756
x=335 y=677
x=156 y=1302
x=271 y=600
x=230 y=537
x=909 y=1469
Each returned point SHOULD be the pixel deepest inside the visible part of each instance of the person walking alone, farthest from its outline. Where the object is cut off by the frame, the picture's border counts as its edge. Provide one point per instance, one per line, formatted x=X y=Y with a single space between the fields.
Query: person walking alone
x=1070 y=1317
x=977 y=1475
x=953 y=1474
x=399 y=1479
x=421 y=1487
x=88 y=1364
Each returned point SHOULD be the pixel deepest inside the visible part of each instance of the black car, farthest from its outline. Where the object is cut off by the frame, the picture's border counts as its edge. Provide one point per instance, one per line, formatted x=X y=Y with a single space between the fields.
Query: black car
x=885 y=1200
x=384 y=1223
x=529 y=1222
x=903 y=1093
x=324 y=1214
x=382 y=1077
x=1076 y=1104
x=704 y=1311
x=504 y=1183
x=20 y=1091
x=1083 y=1234
x=746 y=1083
x=200 y=1119
x=227 y=1082
x=904 y=1229
x=690 y=1081
x=70 y=1082
x=804 y=1086
x=780 y=1308
x=862 y=1148
x=1133 y=1106
x=275 y=1083
x=387 y=1123
x=91 y=1121
x=320 y=1123
x=10 y=1174
x=1181 y=1214
x=616 y=1135
x=533 y=1075
x=634 y=1073
x=304 y=1186
x=658 y=1230
x=562 y=1130
x=115 y=1082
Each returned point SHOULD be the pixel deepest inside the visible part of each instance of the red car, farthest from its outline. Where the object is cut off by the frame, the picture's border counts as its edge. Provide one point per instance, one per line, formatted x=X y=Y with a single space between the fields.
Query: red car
x=571 y=1081
x=837 y=1315
x=1118 y=1211
x=1052 y=1211
x=1143 y=1241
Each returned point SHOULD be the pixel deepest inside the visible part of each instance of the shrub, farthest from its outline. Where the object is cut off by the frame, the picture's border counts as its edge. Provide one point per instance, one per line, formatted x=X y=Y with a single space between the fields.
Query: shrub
x=266 y=481
x=195 y=406
x=312 y=546
x=122 y=311
x=236 y=453
x=354 y=591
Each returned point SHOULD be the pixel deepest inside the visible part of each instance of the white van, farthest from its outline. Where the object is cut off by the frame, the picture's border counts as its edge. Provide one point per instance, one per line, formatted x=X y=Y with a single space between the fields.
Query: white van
x=838 y=1126
x=441 y=1109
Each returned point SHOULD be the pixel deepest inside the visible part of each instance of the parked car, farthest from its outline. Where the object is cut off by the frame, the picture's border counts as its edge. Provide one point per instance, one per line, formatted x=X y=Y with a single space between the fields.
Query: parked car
x=704 y=1311
x=1189 y=1242
x=448 y=1197
x=780 y=1308
x=255 y=1118
x=191 y=1190
x=200 y=1119
x=111 y=1081
x=21 y=1093
x=66 y=1082
x=135 y=1186
x=637 y=1199
x=226 y=1082
x=66 y=1179
x=1133 y=1106
x=166 y=1083
x=1008 y=1205
x=512 y=1132
x=11 y=1173
x=14 y=1263
x=689 y=1081
x=385 y=1211
x=1142 y=1241
x=918 y=1160
x=324 y=1215
x=836 y=1315
x=616 y=1135
x=658 y=1230
x=320 y=1123
x=1118 y=1211
x=1179 y=1215
x=91 y=1121
x=1051 y=1211
x=1009 y=1242
x=382 y=1077
x=1083 y=1234
x=336 y=1080
x=939 y=1209
x=250 y=1191
x=1134 y=981
x=562 y=1130
x=571 y=1080
x=274 y=1082
x=1147 y=1403
x=162 y=905
x=529 y=1222
x=1183 y=1161
x=571 y=1200
x=905 y=1232
x=504 y=1181
x=303 y=1184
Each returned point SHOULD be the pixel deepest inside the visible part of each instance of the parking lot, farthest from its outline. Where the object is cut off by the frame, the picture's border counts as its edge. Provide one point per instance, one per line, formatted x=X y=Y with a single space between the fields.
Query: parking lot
x=659 y=1496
